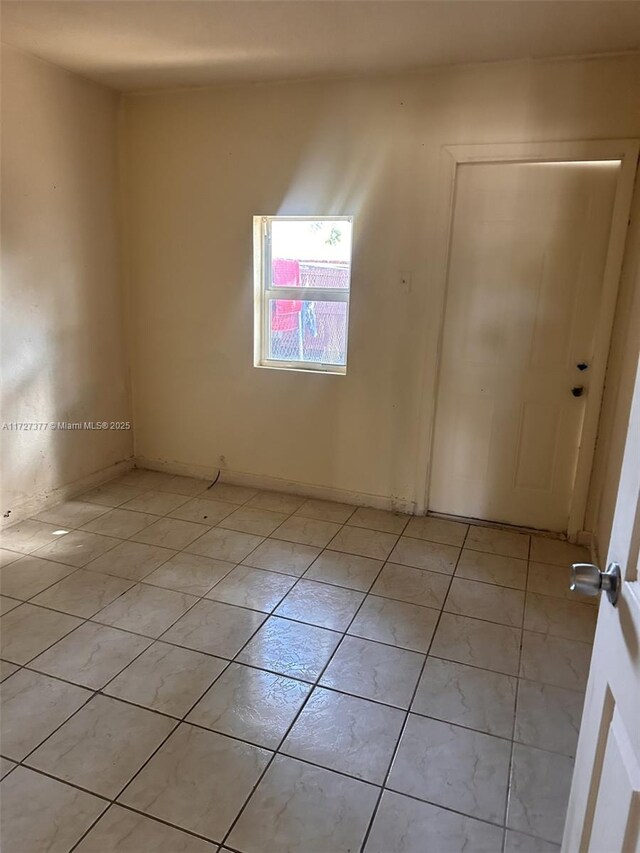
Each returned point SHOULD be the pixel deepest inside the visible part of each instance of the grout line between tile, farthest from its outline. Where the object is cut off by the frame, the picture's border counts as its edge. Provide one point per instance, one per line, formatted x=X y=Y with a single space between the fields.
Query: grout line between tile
x=408 y=712
x=515 y=712
x=295 y=719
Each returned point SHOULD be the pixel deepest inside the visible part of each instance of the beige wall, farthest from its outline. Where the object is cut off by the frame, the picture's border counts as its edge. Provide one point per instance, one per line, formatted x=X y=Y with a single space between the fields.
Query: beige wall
x=64 y=355
x=201 y=163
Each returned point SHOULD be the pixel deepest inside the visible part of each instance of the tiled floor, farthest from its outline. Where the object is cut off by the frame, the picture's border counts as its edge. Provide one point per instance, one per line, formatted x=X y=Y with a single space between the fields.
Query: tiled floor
x=175 y=682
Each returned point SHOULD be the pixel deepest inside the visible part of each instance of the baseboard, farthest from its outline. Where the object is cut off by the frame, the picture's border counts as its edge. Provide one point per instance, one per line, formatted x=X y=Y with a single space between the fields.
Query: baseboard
x=200 y=472
x=325 y=493
x=277 y=484
x=584 y=537
x=43 y=500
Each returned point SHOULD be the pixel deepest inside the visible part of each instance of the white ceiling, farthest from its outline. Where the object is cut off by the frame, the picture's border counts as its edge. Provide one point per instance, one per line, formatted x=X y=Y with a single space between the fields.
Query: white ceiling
x=148 y=44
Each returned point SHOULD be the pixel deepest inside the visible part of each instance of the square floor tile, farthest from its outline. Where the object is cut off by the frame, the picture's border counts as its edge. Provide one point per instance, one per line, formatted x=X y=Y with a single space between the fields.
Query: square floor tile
x=405 y=825
x=297 y=807
x=41 y=814
x=517 y=842
x=347 y=734
x=166 y=678
x=395 y=622
x=6 y=766
x=364 y=543
x=326 y=511
x=230 y=493
x=379 y=519
x=425 y=555
x=247 y=519
x=494 y=541
x=476 y=642
x=124 y=831
x=492 y=568
x=553 y=660
x=130 y=560
x=290 y=648
x=374 y=671
x=277 y=502
x=251 y=704
x=111 y=494
x=569 y=619
x=7 y=557
x=27 y=536
x=181 y=485
x=189 y=573
x=228 y=545
x=155 y=502
x=307 y=531
x=321 y=604
x=7 y=604
x=145 y=609
x=452 y=767
x=486 y=601
x=30 y=575
x=7 y=669
x=33 y=706
x=287 y=557
x=539 y=792
x=91 y=655
x=102 y=746
x=215 y=628
x=557 y=552
x=121 y=523
x=83 y=593
x=348 y=570
x=253 y=588
x=437 y=530
x=198 y=780
x=415 y=586
x=28 y=630
x=467 y=696
x=203 y=511
x=555 y=581
x=548 y=717
x=73 y=513
x=171 y=533
x=77 y=548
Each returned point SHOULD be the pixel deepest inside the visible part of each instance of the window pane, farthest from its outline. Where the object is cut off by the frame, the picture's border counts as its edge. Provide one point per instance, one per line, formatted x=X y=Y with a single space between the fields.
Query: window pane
x=311 y=253
x=308 y=331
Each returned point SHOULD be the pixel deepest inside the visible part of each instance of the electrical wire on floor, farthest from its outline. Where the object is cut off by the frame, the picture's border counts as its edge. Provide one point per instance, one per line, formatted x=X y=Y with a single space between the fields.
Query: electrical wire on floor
x=215 y=481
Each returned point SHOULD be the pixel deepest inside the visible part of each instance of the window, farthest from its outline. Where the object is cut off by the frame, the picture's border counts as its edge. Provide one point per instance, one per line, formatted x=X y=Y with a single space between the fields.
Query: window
x=302 y=268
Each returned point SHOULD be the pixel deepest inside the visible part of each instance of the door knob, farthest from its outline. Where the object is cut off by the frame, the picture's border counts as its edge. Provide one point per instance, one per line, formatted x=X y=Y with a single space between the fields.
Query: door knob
x=589 y=580
x=577 y=390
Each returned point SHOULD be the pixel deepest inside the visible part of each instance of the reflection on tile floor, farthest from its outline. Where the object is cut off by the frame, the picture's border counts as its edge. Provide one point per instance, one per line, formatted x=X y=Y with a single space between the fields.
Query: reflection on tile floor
x=190 y=669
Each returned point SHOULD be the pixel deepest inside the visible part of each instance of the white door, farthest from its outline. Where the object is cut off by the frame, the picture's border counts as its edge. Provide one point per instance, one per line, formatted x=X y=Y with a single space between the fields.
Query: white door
x=527 y=257
x=604 y=807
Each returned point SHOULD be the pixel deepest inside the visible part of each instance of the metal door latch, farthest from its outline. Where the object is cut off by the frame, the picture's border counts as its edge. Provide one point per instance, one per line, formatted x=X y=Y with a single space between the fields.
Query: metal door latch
x=589 y=580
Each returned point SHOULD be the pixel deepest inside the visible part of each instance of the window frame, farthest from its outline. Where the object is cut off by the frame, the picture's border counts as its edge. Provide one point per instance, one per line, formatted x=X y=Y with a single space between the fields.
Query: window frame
x=264 y=291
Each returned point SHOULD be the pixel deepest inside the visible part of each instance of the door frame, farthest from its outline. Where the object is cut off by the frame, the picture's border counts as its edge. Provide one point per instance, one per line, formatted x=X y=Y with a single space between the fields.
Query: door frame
x=452 y=156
